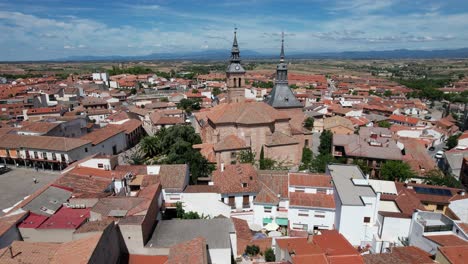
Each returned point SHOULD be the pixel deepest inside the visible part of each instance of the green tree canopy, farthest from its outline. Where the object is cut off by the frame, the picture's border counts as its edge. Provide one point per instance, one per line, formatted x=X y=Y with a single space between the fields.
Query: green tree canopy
x=309 y=123
x=188 y=105
x=174 y=146
x=246 y=156
x=269 y=255
x=396 y=170
x=437 y=177
x=452 y=141
x=384 y=123
x=306 y=158
x=326 y=139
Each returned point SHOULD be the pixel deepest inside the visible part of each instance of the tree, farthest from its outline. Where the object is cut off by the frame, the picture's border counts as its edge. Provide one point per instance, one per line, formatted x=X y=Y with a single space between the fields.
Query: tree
x=180 y=213
x=133 y=91
x=306 y=158
x=252 y=250
x=164 y=99
x=194 y=91
x=309 y=123
x=262 y=159
x=188 y=105
x=452 y=141
x=269 y=255
x=384 y=123
x=216 y=91
x=387 y=93
x=174 y=146
x=246 y=156
x=326 y=139
x=396 y=170
x=437 y=177
x=319 y=163
x=362 y=165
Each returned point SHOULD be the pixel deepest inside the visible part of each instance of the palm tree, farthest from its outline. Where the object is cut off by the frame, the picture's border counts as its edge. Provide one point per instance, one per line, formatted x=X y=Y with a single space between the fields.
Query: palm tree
x=149 y=145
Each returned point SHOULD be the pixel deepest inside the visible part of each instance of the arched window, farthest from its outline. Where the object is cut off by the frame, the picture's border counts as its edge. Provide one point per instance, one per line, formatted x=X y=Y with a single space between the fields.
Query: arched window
x=235 y=82
x=239 y=82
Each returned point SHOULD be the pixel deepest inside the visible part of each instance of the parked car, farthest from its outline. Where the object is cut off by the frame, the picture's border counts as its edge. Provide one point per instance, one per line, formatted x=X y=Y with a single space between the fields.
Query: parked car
x=4 y=169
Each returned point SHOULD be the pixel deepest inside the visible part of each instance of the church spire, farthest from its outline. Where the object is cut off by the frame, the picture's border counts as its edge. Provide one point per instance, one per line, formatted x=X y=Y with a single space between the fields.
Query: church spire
x=282 y=47
x=235 y=53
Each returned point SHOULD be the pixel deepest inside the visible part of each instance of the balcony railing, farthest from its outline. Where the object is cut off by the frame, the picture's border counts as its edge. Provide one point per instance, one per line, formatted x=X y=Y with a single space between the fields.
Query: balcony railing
x=245 y=205
x=438 y=228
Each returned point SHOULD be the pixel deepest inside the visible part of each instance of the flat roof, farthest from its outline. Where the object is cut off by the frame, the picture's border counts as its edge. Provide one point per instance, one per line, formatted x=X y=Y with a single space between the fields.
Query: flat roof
x=172 y=232
x=348 y=192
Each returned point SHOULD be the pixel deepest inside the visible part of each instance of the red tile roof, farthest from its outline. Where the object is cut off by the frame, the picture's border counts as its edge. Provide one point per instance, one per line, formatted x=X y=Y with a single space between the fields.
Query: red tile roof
x=447 y=240
x=310 y=180
x=404 y=119
x=192 y=251
x=66 y=218
x=33 y=221
x=29 y=253
x=231 y=142
x=315 y=200
x=146 y=259
x=455 y=254
x=238 y=178
x=102 y=134
x=400 y=255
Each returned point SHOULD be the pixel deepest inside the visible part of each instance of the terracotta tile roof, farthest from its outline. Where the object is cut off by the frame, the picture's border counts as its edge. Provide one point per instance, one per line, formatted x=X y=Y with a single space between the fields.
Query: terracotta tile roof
x=300 y=246
x=38 y=127
x=106 y=205
x=207 y=150
x=334 y=121
x=272 y=183
x=192 y=251
x=447 y=240
x=238 y=178
x=404 y=119
x=44 y=110
x=310 y=180
x=146 y=259
x=231 y=142
x=32 y=221
x=92 y=101
x=129 y=126
x=245 y=113
x=345 y=259
x=455 y=254
x=201 y=189
x=158 y=118
x=311 y=200
x=400 y=255
x=12 y=141
x=334 y=244
x=77 y=251
x=100 y=135
x=85 y=184
x=29 y=253
x=416 y=156
x=306 y=259
x=279 y=139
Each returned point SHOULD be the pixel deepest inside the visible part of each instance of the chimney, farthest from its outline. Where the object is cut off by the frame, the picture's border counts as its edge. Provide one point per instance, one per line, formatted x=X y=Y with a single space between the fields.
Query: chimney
x=11 y=251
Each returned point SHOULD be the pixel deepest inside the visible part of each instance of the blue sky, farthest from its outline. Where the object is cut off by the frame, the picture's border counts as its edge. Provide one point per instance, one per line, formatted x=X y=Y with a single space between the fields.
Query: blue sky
x=47 y=29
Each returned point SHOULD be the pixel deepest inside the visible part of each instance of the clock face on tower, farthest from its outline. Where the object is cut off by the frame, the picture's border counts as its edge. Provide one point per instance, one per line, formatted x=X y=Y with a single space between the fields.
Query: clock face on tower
x=237 y=67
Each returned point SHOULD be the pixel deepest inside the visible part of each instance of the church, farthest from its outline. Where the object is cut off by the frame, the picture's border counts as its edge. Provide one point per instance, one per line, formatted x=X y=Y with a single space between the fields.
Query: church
x=274 y=125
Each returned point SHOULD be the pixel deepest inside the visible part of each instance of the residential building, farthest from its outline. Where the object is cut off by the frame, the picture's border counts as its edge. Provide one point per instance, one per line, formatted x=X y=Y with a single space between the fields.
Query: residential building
x=356 y=202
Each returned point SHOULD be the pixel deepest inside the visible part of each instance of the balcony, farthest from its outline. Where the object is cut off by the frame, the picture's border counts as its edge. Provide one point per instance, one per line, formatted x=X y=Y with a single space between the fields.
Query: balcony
x=246 y=206
x=434 y=222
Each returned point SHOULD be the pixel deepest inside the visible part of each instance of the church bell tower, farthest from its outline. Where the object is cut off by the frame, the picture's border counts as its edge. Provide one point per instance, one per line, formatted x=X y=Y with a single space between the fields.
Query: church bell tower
x=235 y=75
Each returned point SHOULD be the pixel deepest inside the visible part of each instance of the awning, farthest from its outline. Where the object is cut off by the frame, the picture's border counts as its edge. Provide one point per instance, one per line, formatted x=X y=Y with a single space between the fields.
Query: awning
x=282 y=221
x=267 y=220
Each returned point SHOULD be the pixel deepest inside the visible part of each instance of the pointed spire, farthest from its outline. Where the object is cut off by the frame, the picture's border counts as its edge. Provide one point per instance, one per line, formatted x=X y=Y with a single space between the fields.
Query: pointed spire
x=234 y=44
x=282 y=47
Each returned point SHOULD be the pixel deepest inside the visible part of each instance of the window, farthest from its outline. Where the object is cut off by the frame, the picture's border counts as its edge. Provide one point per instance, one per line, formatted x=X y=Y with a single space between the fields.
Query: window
x=299 y=189
x=62 y=156
x=303 y=213
x=306 y=143
x=100 y=165
x=54 y=157
x=366 y=219
x=36 y=156
x=233 y=155
x=85 y=149
x=244 y=185
x=440 y=207
x=267 y=209
x=232 y=202
x=300 y=226
x=44 y=155
x=319 y=216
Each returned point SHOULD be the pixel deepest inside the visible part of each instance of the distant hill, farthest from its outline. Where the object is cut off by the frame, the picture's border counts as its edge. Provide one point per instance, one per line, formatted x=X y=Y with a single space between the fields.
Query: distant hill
x=249 y=54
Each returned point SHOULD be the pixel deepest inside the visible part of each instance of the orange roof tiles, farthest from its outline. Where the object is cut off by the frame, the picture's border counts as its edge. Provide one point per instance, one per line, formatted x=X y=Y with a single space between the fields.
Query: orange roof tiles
x=146 y=259
x=447 y=240
x=100 y=135
x=311 y=180
x=311 y=200
x=29 y=253
x=238 y=178
x=400 y=255
x=455 y=254
x=245 y=113
x=77 y=251
x=231 y=142
x=404 y=119
x=192 y=251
